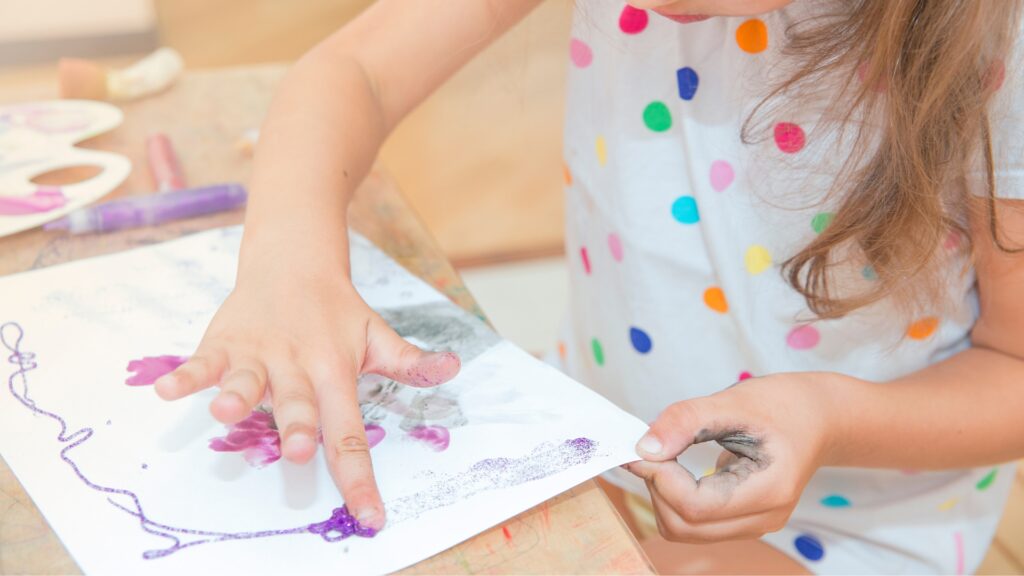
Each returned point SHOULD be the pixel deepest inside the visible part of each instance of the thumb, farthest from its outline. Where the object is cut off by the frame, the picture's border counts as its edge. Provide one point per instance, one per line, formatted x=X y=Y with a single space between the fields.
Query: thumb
x=677 y=428
x=391 y=356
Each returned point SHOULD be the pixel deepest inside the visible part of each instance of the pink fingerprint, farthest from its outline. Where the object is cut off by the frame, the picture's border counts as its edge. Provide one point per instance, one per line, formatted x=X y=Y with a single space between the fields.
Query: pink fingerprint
x=803 y=337
x=789 y=137
x=722 y=175
x=580 y=54
x=436 y=437
x=374 y=434
x=615 y=245
x=147 y=370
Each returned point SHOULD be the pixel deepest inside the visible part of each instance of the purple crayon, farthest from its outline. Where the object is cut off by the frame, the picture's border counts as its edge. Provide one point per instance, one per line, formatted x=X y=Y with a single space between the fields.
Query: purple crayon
x=152 y=209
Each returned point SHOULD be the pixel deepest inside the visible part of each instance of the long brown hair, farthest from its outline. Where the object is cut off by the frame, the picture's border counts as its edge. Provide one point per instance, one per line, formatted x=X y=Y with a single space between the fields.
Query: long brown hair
x=915 y=81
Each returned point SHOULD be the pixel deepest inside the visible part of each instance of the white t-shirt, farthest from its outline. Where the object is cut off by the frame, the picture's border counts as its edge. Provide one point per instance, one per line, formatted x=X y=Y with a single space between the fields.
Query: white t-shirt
x=676 y=232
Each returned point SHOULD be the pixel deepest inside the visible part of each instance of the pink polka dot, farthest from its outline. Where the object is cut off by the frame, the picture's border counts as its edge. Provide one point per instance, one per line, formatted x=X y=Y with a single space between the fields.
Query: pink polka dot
x=744 y=375
x=803 y=337
x=789 y=137
x=615 y=245
x=997 y=75
x=580 y=54
x=952 y=241
x=632 y=20
x=586 y=259
x=721 y=175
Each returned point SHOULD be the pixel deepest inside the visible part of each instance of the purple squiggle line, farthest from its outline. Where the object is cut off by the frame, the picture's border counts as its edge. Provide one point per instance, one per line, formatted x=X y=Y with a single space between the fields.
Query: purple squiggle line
x=340 y=525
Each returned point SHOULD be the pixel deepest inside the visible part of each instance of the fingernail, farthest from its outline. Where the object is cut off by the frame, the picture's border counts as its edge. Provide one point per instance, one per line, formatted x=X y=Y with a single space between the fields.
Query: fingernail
x=300 y=441
x=370 y=518
x=649 y=445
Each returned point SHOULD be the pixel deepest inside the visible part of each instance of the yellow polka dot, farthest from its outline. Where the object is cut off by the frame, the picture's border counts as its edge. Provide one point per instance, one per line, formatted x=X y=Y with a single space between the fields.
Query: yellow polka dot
x=602 y=152
x=708 y=471
x=566 y=174
x=948 y=504
x=752 y=36
x=715 y=299
x=757 y=259
x=923 y=328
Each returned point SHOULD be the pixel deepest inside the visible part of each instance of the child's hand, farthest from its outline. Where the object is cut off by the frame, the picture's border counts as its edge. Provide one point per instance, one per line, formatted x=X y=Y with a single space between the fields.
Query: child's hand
x=305 y=338
x=776 y=432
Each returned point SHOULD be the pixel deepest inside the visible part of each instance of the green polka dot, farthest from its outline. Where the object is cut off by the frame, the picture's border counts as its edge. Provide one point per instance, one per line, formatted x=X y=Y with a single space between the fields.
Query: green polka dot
x=657 y=117
x=835 y=501
x=595 y=345
x=987 y=481
x=821 y=221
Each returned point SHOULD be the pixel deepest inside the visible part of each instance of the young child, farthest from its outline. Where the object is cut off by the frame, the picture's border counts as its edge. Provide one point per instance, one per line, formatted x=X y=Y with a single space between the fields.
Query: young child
x=814 y=199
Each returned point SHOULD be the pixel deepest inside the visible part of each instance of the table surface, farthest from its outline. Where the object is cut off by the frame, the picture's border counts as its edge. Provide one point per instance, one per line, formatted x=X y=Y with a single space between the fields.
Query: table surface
x=204 y=113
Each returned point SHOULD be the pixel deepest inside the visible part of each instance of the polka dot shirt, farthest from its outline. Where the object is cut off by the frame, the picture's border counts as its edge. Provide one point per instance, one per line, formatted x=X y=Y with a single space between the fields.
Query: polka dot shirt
x=677 y=228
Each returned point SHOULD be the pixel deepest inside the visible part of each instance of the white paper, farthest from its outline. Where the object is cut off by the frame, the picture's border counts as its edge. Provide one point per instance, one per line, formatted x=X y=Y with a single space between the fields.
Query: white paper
x=80 y=324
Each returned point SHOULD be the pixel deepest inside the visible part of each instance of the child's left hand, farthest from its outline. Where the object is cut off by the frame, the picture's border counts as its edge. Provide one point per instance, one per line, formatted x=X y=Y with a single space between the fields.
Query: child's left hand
x=776 y=431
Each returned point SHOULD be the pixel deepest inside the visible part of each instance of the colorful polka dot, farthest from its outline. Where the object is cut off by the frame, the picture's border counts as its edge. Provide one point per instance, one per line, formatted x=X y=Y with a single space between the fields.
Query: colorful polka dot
x=809 y=547
x=868 y=272
x=595 y=347
x=923 y=328
x=757 y=259
x=722 y=175
x=580 y=53
x=615 y=246
x=687 y=80
x=987 y=481
x=803 y=337
x=715 y=299
x=585 y=257
x=752 y=36
x=563 y=351
x=640 y=340
x=948 y=504
x=684 y=210
x=601 y=150
x=566 y=174
x=835 y=501
x=952 y=241
x=657 y=117
x=744 y=376
x=996 y=75
x=821 y=221
x=789 y=137
x=708 y=471
x=632 y=20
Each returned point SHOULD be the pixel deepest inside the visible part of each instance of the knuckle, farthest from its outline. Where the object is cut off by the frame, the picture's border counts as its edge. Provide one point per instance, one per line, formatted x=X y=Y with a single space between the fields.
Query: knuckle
x=292 y=398
x=349 y=445
x=694 y=513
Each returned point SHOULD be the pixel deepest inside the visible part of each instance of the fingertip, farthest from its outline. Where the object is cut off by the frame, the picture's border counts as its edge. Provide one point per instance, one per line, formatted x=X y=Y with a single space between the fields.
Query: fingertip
x=371 y=517
x=167 y=387
x=649 y=446
x=229 y=408
x=434 y=369
x=298 y=445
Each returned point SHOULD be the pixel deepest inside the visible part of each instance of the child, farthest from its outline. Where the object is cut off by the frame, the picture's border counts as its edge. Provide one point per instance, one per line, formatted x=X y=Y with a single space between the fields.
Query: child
x=811 y=198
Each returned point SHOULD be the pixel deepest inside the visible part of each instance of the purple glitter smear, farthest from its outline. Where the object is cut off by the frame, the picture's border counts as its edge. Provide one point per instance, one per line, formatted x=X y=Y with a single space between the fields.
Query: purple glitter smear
x=341 y=525
x=147 y=370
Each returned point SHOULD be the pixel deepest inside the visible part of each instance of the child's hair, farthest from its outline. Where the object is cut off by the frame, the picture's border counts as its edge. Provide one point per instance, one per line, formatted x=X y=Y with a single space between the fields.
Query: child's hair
x=915 y=80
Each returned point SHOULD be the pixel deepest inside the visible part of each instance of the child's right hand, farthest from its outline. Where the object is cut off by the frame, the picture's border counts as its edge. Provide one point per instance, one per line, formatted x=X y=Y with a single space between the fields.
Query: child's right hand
x=305 y=338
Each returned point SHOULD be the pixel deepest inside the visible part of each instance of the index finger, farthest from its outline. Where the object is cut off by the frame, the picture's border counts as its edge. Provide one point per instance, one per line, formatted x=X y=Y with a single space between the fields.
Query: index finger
x=348 y=452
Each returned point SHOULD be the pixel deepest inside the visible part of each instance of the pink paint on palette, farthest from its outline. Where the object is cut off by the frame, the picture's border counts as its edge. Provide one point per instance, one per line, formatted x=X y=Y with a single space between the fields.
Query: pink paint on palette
x=44 y=199
x=148 y=369
x=436 y=438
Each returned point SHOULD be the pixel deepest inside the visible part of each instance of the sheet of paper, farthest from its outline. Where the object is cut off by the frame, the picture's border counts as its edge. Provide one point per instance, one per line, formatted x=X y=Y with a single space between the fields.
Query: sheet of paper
x=131 y=484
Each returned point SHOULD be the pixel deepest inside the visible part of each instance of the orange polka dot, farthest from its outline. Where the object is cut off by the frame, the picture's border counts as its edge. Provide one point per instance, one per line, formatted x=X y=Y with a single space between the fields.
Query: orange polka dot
x=566 y=174
x=562 y=352
x=715 y=299
x=752 y=36
x=923 y=328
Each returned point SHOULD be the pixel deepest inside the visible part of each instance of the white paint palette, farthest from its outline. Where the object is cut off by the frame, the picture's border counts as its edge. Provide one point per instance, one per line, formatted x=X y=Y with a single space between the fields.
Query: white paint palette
x=40 y=137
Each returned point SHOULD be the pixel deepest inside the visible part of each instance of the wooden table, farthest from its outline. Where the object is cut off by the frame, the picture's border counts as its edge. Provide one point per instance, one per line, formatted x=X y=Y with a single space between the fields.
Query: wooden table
x=576 y=532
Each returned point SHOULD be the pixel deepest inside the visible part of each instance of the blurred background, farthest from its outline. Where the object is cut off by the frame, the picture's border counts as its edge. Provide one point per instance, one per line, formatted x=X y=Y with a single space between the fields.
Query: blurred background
x=480 y=162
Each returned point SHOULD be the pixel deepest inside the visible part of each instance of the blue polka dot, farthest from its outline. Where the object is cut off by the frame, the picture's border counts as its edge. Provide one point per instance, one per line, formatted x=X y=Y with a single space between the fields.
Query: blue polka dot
x=641 y=341
x=809 y=547
x=684 y=209
x=835 y=501
x=688 y=81
x=869 y=273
